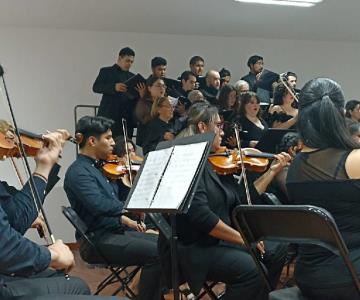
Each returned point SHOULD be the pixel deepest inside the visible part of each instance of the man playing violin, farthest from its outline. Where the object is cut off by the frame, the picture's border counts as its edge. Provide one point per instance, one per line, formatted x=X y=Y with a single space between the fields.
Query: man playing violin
x=209 y=248
x=95 y=199
x=23 y=264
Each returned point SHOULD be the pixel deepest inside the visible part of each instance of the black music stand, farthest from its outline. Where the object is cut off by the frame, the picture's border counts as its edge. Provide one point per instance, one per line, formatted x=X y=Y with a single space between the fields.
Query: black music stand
x=144 y=176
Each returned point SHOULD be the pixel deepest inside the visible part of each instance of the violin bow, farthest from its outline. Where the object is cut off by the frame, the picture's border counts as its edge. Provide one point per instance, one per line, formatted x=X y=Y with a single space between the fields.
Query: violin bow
x=243 y=170
x=124 y=128
x=281 y=77
x=33 y=188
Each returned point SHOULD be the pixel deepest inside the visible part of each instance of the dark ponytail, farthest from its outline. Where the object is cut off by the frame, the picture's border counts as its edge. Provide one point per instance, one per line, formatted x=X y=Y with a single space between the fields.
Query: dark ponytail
x=321 y=121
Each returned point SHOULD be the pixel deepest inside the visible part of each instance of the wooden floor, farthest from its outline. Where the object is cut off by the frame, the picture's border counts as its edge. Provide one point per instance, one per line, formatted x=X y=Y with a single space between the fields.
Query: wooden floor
x=94 y=276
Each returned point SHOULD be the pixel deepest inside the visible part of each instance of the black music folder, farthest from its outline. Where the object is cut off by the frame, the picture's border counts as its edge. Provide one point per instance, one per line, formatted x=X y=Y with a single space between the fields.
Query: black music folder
x=172 y=83
x=271 y=138
x=266 y=80
x=132 y=83
x=168 y=178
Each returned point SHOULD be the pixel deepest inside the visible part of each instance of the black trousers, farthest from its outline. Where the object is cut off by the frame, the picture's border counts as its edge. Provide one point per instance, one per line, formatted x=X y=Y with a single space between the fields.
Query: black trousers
x=44 y=283
x=134 y=249
x=347 y=292
x=234 y=266
x=63 y=297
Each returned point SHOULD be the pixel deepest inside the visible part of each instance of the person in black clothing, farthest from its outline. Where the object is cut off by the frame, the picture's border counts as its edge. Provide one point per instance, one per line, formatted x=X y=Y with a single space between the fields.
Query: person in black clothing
x=252 y=125
x=209 y=248
x=155 y=89
x=256 y=66
x=211 y=89
x=115 y=102
x=96 y=201
x=326 y=173
x=261 y=81
x=188 y=82
x=228 y=109
x=225 y=77
x=352 y=110
x=197 y=64
x=158 y=67
x=159 y=128
x=283 y=114
x=24 y=264
x=354 y=129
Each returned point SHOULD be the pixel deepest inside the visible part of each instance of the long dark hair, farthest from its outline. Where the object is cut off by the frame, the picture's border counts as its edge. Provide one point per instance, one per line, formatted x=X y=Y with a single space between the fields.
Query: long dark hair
x=224 y=98
x=321 y=122
x=245 y=99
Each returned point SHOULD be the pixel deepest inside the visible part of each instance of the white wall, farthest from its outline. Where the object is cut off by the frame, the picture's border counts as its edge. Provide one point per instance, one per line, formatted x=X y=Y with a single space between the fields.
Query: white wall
x=50 y=71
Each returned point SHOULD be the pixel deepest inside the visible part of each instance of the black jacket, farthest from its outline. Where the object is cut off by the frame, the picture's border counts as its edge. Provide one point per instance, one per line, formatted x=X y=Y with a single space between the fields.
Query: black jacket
x=114 y=105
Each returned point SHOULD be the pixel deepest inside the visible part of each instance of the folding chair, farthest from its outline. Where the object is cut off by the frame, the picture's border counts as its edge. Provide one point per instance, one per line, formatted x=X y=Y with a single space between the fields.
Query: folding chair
x=163 y=226
x=116 y=271
x=281 y=223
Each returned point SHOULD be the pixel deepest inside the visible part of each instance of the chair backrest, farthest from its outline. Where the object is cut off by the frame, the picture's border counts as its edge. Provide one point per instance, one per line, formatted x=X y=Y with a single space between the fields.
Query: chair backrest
x=303 y=224
x=81 y=228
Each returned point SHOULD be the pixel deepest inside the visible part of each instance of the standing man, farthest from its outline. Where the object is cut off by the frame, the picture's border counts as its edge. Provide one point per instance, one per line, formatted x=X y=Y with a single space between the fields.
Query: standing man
x=116 y=103
x=261 y=81
x=158 y=67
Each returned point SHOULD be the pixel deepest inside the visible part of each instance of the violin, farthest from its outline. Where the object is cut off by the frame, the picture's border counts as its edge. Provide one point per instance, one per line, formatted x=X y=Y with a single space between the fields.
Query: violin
x=225 y=162
x=115 y=167
x=32 y=143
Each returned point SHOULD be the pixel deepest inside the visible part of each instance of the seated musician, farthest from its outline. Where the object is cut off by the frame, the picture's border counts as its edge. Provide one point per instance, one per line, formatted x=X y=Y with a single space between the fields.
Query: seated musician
x=209 y=248
x=24 y=264
x=326 y=173
x=96 y=201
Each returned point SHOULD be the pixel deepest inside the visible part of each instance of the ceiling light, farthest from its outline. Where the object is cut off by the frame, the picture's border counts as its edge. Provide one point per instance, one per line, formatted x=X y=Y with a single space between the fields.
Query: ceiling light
x=299 y=3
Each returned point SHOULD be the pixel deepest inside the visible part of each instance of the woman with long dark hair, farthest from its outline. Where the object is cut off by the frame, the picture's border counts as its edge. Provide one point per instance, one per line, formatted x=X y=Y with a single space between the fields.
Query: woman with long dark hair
x=252 y=125
x=283 y=113
x=155 y=89
x=326 y=173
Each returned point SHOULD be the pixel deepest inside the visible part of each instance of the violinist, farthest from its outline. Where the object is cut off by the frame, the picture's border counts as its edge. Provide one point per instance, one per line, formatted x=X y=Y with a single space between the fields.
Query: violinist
x=23 y=264
x=96 y=202
x=209 y=247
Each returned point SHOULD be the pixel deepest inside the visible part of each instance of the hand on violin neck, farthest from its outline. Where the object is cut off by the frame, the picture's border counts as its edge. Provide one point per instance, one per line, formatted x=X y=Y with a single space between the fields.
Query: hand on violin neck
x=49 y=154
x=281 y=161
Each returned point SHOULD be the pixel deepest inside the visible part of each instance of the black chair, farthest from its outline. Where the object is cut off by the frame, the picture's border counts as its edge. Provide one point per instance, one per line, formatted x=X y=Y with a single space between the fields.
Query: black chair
x=163 y=226
x=281 y=223
x=117 y=272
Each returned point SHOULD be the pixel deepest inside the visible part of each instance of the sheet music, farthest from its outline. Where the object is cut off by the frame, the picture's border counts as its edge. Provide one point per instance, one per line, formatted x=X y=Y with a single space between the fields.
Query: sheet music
x=178 y=176
x=149 y=179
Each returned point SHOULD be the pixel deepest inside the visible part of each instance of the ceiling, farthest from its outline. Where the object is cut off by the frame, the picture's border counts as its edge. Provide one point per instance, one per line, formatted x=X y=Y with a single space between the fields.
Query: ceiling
x=332 y=20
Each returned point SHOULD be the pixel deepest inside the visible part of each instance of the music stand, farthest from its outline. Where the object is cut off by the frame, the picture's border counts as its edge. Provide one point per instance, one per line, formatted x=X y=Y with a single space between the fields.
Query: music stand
x=196 y=162
x=271 y=138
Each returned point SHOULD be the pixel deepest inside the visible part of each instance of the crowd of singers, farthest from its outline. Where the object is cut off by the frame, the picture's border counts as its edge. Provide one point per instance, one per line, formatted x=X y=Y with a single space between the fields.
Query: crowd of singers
x=315 y=164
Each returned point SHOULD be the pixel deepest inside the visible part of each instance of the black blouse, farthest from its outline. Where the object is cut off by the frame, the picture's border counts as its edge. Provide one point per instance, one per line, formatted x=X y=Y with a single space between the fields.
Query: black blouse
x=319 y=178
x=250 y=131
x=154 y=134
